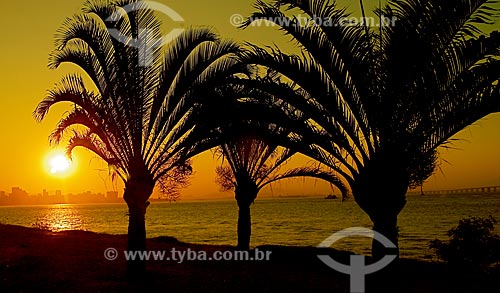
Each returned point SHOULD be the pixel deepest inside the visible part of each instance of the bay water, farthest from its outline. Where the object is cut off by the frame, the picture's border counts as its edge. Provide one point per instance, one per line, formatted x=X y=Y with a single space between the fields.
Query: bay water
x=275 y=221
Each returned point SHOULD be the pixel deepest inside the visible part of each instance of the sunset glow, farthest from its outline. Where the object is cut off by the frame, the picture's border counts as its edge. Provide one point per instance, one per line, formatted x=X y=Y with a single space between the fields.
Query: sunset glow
x=472 y=163
x=59 y=164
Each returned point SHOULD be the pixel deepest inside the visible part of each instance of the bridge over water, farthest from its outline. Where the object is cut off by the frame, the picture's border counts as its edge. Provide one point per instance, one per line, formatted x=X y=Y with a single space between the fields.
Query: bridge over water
x=462 y=191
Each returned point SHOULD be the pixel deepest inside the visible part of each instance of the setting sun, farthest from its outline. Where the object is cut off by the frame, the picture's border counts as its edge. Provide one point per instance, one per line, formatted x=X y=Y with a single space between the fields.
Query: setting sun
x=59 y=164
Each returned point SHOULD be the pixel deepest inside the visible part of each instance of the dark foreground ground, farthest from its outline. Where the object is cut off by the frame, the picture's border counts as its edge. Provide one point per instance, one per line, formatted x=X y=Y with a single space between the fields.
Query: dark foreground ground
x=42 y=261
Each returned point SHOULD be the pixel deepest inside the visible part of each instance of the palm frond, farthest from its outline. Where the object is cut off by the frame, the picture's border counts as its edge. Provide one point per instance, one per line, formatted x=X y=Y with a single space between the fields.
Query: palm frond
x=144 y=118
x=313 y=172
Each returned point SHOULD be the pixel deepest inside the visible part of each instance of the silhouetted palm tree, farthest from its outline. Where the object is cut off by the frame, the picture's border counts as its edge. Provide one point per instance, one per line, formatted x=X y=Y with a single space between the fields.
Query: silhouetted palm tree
x=381 y=101
x=253 y=163
x=142 y=118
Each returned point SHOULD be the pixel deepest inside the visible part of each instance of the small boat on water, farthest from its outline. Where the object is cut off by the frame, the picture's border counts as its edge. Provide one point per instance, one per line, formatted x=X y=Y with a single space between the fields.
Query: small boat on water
x=331 y=196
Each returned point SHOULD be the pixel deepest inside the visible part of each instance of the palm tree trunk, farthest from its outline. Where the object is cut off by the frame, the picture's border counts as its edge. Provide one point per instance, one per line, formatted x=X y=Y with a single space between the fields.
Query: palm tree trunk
x=244 y=198
x=387 y=225
x=137 y=226
x=136 y=195
x=380 y=191
x=383 y=211
x=244 y=227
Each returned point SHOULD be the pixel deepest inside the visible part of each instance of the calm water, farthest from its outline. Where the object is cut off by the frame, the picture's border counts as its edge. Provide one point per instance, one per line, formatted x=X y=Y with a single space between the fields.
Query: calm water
x=301 y=222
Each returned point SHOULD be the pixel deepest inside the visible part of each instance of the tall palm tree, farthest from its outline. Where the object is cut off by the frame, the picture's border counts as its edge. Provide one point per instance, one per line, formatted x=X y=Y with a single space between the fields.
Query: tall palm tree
x=381 y=101
x=252 y=164
x=141 y=120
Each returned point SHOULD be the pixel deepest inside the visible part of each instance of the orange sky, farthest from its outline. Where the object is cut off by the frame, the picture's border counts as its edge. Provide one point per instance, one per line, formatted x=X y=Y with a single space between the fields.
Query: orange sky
x=27 y=30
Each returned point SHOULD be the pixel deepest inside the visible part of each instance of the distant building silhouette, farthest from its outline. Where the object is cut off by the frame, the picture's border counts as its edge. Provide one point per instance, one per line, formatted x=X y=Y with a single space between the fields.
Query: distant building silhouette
x=18 y=196
x=16 y=191
x=112 y=195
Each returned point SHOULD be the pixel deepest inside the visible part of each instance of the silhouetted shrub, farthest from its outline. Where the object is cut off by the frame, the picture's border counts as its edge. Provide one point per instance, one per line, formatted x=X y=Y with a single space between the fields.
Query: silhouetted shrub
x=472 y=244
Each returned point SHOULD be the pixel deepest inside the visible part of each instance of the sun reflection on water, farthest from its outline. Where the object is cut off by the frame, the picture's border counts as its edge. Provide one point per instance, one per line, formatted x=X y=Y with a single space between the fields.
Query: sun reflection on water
x=60 y=218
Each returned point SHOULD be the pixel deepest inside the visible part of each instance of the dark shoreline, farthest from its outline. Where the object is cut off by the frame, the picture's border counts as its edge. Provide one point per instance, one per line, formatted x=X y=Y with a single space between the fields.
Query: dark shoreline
x=37 y=260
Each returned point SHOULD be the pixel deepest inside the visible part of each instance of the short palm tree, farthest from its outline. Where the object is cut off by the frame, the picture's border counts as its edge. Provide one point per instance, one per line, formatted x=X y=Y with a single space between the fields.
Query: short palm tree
x=379 y=102
x=141 y=119
x=253 y=163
